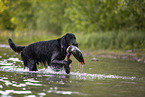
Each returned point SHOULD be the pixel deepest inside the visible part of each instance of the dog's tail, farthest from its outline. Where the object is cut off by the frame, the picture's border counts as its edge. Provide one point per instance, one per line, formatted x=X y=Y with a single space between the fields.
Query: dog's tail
x=14 y=47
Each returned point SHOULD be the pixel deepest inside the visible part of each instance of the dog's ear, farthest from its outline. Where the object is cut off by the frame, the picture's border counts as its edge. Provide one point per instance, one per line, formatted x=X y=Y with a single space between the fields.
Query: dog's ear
x=63 y=42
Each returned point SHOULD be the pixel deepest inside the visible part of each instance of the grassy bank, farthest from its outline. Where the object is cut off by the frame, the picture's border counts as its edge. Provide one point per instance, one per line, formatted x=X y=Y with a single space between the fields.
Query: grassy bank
x=112 y=40
x=95 y=41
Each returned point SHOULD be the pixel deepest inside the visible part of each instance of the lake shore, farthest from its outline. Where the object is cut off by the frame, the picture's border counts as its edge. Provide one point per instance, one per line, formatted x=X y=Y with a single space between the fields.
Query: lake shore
x=126 y=55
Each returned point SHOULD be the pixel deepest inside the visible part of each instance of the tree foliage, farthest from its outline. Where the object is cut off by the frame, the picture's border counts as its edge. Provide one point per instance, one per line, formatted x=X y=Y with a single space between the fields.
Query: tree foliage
x=58 y=16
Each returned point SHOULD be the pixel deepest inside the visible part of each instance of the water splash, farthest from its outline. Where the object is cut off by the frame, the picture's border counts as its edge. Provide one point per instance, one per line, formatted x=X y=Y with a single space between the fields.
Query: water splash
x=87 y=76
x=10 y=67
x=14 y=59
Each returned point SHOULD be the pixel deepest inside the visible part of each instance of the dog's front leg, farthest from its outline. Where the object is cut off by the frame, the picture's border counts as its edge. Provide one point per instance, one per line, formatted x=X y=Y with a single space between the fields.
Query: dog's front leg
x=56 y=60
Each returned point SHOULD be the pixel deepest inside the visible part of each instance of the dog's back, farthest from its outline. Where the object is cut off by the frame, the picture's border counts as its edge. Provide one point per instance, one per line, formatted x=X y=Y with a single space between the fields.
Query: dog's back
x=40 y=51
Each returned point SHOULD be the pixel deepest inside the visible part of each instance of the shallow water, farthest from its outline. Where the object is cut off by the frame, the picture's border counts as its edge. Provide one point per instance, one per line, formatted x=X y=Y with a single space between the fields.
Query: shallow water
x=106 y=77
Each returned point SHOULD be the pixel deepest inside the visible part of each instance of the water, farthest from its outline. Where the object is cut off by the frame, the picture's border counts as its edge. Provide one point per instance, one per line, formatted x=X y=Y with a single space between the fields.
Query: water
x=103 y=78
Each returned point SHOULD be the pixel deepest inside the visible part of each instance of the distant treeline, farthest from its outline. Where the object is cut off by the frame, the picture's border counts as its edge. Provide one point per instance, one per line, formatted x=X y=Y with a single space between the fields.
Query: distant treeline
x=58 y=16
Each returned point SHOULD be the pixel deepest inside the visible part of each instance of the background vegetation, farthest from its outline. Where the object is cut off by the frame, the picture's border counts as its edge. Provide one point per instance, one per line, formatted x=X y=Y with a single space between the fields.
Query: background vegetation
x=98 y=24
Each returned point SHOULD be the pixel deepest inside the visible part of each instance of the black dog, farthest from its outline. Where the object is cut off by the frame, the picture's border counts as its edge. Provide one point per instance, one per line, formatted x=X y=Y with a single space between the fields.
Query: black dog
x=52 y=52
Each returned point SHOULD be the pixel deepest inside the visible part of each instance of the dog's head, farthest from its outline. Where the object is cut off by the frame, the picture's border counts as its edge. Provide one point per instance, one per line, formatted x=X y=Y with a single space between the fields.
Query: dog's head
x=68 y=39
x=71 y=39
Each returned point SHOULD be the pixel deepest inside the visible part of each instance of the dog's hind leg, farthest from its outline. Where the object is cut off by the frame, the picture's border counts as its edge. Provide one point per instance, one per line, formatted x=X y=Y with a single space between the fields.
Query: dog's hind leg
x=29 y=62
x=24 y=58
x=32 y=66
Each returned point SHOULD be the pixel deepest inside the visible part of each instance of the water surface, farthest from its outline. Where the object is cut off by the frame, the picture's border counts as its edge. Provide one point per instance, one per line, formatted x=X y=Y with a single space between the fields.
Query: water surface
x=106 y=77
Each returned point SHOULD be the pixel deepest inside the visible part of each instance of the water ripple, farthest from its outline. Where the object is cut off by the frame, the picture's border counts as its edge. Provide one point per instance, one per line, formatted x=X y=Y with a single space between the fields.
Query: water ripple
x=7 y=92
x=4 y=46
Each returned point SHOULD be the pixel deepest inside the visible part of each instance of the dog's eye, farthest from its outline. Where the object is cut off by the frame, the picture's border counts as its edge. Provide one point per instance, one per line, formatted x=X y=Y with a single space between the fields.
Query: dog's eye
x=71 y=37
